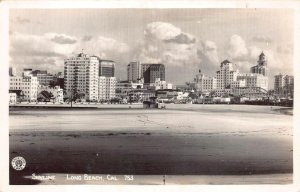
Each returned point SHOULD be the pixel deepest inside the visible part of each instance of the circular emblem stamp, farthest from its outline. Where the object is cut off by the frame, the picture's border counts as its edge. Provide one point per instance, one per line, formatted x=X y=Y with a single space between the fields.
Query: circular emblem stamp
x=18 y=163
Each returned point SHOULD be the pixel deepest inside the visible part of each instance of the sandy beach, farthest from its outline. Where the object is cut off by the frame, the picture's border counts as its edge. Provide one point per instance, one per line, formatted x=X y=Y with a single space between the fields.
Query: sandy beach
x=205 y=143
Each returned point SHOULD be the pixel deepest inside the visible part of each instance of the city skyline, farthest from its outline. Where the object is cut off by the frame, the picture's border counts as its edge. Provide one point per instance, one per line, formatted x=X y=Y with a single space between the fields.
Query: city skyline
x=184 y=40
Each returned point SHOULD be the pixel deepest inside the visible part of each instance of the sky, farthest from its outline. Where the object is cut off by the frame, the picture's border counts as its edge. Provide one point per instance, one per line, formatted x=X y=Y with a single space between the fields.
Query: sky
x=185 y=40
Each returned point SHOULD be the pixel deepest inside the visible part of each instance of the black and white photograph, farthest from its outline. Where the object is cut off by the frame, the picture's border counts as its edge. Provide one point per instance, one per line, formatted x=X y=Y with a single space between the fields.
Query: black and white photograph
x=150 y=95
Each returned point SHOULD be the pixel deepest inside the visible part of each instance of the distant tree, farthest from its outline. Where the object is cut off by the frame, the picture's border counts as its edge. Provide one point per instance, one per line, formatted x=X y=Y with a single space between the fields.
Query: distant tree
x=193 y=95
x=212 y=93
x=52 y=84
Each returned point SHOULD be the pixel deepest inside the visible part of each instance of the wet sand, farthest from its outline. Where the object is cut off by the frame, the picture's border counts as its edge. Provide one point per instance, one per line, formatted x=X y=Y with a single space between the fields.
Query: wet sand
x=213 y=141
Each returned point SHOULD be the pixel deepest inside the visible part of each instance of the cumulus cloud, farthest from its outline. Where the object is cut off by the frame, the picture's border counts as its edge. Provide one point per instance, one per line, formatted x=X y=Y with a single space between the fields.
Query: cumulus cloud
x=182 y=39
x=48 y=51
x=236 y=47
x=254 y=52
x=103 y=46
x=168 y=44
x=208 y=54
x=63 y=39
x=35 y=45
x=161 y=31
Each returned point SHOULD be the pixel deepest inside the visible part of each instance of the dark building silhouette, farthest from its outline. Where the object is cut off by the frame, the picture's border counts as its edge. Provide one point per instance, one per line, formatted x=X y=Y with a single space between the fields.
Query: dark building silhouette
x=152 y=71
x=106 y=68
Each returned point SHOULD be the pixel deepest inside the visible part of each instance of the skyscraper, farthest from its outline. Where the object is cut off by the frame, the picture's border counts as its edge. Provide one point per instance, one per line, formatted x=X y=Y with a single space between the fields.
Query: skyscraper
x=133 y=71
x=261 y=67
x=226 y=75
x=106 y=68
x=152 y=71
x=81 y=77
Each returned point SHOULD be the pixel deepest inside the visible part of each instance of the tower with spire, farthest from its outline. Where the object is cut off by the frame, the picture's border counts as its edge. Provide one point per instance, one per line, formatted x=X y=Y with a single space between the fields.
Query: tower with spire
x=261 y=67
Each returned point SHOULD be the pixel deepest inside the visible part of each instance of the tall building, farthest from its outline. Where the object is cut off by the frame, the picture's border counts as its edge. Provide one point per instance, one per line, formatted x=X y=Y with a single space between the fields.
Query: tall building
x=27 y=84
x=107 y=88
x=261 y=67
x=284 y=85
x=152 y=71
x=133 y=71
x=12 y=71
x=144 y=68
x=226 y=75
x=106 y=68
x=81 y=77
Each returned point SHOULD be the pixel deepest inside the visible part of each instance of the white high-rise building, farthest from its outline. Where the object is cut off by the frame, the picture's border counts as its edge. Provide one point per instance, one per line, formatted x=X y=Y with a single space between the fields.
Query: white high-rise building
x=28 y=84
x=107 y=88
x=226 y=75
x=81 y=77
x=133 y=71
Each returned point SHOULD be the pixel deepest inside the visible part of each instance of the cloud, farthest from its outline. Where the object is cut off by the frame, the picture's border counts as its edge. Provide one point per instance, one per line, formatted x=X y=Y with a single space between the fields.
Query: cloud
x=182 y=53
x=167 y=44
x=49 y=50
x=161 y=31
x=87 y=38
x=208 y=54
x=63 y=39
x=37 y=51
x=262 y=39
x=103 y=46
x=182 y=39
x=35 y=45
x=236 y=47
